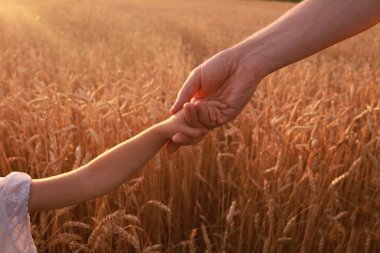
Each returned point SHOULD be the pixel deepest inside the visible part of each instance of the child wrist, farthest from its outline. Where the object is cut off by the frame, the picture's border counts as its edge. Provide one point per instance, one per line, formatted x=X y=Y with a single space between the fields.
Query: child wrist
x=163 y=131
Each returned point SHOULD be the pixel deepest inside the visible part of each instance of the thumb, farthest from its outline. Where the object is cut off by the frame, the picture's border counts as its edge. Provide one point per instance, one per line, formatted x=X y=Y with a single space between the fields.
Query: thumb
x=171 y=147
x=188 y=90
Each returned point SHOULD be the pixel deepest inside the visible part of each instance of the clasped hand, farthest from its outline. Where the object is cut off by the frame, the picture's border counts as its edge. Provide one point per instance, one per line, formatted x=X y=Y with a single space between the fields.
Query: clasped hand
x=215 y=93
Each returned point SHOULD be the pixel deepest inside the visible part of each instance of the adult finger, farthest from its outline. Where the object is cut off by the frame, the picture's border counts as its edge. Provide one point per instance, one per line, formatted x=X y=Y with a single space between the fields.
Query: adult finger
x=188 y=90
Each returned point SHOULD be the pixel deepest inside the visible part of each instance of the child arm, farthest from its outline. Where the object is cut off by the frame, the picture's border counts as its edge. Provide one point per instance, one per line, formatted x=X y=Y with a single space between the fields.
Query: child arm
x=107 y=171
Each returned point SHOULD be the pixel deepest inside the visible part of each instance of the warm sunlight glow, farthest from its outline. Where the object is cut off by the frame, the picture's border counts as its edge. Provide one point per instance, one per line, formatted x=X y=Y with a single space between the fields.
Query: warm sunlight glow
x=298 y=167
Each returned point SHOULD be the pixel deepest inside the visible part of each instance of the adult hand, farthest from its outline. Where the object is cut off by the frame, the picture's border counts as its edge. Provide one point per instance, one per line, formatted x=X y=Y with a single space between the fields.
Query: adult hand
x=232 y=76
x=226 y=78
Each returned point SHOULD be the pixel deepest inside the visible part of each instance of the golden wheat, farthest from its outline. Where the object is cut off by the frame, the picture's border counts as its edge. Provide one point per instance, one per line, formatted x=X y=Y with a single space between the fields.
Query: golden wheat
x=298 y=170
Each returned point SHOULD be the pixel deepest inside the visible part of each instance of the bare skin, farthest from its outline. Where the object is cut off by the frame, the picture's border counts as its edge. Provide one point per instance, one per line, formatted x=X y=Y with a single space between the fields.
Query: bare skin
x=110 y=169
x=232 y=76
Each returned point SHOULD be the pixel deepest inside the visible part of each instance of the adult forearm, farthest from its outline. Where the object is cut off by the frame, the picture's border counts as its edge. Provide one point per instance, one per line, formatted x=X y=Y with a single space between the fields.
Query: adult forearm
x=310 y=27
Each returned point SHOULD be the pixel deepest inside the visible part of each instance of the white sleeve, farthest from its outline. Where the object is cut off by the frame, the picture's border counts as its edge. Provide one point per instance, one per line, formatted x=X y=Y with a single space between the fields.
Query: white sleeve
x=15 y=189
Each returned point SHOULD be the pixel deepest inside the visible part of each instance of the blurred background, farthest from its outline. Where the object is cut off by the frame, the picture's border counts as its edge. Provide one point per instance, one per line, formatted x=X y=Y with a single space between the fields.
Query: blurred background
x=78 y=77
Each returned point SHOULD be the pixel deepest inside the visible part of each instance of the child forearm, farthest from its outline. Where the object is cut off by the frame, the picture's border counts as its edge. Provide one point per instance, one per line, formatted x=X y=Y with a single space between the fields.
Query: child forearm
x=98 y=177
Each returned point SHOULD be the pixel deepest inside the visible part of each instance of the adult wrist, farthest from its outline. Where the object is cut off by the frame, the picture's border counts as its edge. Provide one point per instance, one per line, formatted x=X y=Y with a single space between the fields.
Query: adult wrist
x=249 y=60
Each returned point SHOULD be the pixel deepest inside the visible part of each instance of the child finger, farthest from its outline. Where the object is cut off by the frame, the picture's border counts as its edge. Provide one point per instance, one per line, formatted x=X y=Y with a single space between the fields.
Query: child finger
x=203 y=115
x=212 y=111
x=191 y=115
x=219 y=117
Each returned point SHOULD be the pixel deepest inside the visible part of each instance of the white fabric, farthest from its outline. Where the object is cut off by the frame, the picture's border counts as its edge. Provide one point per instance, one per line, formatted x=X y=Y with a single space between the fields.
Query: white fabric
x=15 y=234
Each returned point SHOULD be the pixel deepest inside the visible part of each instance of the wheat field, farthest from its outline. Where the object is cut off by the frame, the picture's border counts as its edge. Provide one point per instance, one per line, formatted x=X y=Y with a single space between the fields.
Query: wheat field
x=297 y=171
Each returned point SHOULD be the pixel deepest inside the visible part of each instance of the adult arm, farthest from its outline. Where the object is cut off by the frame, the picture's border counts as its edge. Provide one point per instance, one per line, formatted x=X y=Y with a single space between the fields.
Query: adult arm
x=232 y=75
x=310 y=27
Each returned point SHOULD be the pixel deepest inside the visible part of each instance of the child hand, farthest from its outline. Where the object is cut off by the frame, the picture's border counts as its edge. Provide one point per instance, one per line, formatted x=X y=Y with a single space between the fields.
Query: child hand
x=209 y=112
x=214 y=117
x=177 y=124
